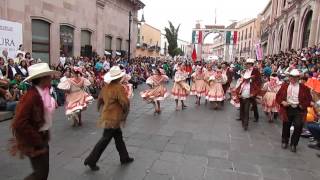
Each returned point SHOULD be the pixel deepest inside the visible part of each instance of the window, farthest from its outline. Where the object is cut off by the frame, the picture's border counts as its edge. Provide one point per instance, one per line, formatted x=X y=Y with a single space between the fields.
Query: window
x=86 y=48
x=249 y=45
x=108 y=43
x=245 y=46
x=239 y=36
x=242 y=35
x=66 y=40
x=250 y=32
x=246 y=34
x=118 y=44
x=41 y=40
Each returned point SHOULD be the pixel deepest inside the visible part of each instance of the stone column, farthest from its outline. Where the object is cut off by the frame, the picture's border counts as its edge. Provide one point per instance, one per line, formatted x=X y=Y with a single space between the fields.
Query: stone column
x=77 y=41
x=314 y=23
x=99 y=33
x=296 y=32
x=54 y=42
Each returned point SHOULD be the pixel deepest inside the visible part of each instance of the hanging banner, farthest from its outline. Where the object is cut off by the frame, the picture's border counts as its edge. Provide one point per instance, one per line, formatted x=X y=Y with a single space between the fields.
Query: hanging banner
x=10 y=37
x=259 y=52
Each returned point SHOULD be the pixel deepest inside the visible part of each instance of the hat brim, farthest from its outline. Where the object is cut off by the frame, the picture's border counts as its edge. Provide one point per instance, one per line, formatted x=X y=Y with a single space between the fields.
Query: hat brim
x=107 y=78
x=41 y=74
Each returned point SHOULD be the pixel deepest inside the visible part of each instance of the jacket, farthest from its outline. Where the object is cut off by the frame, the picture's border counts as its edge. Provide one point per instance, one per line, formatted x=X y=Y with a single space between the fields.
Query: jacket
x=304 y=97
x=114 y=105
x=29 y=118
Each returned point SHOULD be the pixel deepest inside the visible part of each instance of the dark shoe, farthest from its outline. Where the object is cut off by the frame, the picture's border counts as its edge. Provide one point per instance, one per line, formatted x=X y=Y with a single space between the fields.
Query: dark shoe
x=293 y=149
x=256 y=120
x=245 y=128
x=238 y=119
x=284 y=145
x=92 y=167
x=127 y=161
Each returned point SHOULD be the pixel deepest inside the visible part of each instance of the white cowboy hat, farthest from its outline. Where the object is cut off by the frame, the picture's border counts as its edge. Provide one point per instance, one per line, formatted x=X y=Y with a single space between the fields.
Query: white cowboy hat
x=250 y=60
x=114 y=73
x=294 y=72
x=39 y=70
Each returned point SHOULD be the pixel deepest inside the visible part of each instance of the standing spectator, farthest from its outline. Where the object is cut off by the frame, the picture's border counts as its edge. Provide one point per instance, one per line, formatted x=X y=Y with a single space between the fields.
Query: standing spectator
x=62 y=59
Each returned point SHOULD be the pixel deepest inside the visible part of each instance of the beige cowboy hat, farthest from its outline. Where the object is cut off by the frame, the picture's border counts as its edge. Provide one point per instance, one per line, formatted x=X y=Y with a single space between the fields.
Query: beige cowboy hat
x=114 y=73
x=39 y=70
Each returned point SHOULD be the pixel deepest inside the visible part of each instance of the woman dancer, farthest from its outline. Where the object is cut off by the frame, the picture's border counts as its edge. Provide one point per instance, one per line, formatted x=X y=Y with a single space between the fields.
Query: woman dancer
x=180 y=89
x=199 y=85
x=158 y=92
x=77 y=99
x=269 y=104
x=125 y=83
x=216 y=93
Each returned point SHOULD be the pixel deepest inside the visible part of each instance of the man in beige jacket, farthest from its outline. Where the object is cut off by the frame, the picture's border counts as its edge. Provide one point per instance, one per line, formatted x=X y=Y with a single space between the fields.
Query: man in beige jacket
x=114 y=106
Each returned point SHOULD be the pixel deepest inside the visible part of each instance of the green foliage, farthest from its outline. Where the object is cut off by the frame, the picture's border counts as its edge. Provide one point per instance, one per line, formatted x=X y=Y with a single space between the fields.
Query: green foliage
x=172 y=37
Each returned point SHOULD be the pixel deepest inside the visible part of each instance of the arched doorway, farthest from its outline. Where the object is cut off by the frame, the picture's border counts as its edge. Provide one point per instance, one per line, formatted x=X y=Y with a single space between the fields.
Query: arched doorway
x=290 y=34
x=306 y=29
x=280 y=39
x=272 y=43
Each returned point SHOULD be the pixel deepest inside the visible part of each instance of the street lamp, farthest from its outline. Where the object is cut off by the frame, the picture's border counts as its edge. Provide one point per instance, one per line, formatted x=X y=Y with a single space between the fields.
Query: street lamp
x=130 y=21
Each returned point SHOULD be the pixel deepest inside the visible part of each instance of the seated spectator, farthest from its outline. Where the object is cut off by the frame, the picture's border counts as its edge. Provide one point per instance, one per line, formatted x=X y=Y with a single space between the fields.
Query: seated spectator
x=7 y=102
x=22 y=86
x=314 y=128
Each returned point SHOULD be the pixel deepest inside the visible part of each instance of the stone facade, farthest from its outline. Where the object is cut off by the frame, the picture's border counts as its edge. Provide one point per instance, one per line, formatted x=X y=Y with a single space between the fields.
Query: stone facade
x=248 y=36
x=99 y=17
x=294 y=24
x=149 y=41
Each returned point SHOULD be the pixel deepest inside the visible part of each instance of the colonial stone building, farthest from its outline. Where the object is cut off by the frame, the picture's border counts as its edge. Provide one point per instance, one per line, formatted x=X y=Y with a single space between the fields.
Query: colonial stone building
x=73 y=27
x=294 y=24
x=149 y=41
x=249 y=36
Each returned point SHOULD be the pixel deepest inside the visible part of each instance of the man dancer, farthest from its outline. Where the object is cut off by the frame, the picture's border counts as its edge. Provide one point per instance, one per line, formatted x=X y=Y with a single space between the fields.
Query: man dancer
x=247 y=92
x=293 y=98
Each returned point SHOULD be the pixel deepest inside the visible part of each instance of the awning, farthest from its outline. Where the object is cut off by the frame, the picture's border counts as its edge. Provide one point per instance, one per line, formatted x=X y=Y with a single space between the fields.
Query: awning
x=107 y=53
x=118 y=53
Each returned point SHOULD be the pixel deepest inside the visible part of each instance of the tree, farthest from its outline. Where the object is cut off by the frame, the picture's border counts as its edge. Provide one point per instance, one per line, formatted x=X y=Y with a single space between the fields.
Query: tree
x=172 y=37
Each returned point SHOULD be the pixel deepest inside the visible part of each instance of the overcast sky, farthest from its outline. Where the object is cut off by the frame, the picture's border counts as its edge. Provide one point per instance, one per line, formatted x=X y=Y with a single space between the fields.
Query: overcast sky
x=187 y=12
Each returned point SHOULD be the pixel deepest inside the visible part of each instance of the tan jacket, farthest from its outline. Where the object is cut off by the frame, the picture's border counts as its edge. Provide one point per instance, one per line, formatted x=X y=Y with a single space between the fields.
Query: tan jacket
x=115 y=106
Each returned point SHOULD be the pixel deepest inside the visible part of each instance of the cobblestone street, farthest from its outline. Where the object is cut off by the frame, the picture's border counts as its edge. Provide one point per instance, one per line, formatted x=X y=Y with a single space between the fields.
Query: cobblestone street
x=197 y=143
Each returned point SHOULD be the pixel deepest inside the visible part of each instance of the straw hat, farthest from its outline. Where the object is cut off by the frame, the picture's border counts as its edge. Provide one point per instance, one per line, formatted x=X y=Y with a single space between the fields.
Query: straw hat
x=113 y=74
x=40 y=70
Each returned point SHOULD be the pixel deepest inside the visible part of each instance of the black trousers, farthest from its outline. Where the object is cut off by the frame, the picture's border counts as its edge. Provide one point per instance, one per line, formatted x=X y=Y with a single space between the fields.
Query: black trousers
x=295 y=118
x=102 y=144
x=245 y=110
x=40 y=166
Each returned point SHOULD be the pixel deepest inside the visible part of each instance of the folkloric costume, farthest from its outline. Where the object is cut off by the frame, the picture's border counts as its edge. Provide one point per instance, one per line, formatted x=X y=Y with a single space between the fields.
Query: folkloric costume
x=269 y=103
x=114 y=106
x=180 y=89
x=158 y=91
x=247 y=92
x=77 y=99
x=199 y=85
x=127 y=86
x=215 y=92
x=32 y=122
x=229 y=74
x=298 y=99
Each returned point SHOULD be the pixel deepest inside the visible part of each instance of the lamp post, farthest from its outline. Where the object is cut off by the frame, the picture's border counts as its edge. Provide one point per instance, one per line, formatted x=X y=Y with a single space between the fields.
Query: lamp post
x=129 y=45
x=129 y=39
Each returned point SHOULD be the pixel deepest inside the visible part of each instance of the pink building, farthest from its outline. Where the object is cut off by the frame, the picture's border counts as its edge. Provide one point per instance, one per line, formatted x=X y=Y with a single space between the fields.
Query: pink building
x=73 y=27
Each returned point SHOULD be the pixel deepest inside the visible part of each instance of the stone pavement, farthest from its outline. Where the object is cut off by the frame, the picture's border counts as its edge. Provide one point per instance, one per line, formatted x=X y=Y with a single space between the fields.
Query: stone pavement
x=194 y=144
